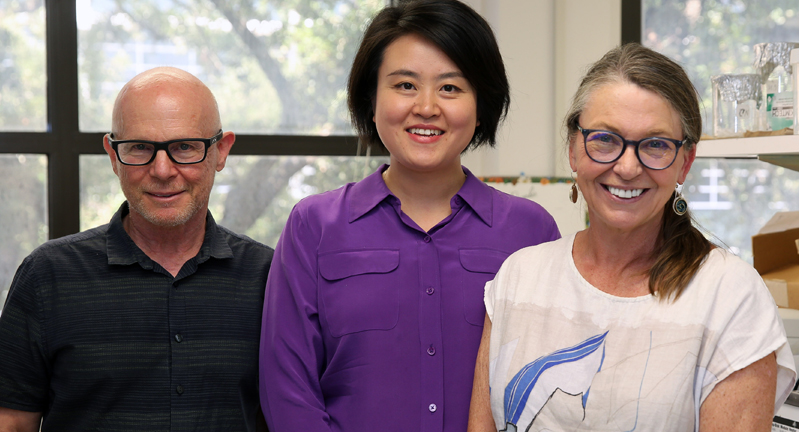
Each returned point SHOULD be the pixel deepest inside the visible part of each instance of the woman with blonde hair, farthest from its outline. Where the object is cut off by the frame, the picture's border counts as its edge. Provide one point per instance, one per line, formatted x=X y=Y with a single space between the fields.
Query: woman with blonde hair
x=637 y=322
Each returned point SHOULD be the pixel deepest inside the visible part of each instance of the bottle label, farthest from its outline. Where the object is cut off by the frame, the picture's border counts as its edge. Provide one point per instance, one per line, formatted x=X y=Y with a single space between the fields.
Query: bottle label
x=780 y=110
x=780 y=105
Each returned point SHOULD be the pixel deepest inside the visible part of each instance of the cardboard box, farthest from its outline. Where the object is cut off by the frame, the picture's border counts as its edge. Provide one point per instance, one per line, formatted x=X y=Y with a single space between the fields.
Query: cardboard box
x=776 y=257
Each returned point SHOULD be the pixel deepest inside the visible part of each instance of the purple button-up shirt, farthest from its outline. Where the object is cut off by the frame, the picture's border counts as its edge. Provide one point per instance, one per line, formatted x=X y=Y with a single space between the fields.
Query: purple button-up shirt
x=371 y=323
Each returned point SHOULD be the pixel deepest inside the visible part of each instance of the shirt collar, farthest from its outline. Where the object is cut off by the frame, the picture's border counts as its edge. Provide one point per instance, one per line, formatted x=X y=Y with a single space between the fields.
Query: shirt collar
x=215 y=243
x=123 y=251
x=371 y=191
x=368 y=193
x=479 y=196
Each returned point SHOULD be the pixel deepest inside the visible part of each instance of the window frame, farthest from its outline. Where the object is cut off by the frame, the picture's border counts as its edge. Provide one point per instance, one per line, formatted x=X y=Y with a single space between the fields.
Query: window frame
x=63 y=143
x=631 y=21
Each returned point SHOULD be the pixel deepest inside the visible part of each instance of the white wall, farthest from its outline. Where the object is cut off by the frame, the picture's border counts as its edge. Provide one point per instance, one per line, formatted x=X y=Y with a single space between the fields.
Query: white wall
x=546 y=46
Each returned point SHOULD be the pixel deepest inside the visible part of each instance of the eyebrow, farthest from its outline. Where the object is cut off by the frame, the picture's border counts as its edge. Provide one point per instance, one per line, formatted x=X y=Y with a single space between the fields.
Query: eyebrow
x=656 y=134
x=405 y=72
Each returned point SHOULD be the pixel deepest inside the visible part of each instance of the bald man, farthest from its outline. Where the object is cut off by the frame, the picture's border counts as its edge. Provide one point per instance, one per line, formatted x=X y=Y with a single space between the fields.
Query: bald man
x=152 y=321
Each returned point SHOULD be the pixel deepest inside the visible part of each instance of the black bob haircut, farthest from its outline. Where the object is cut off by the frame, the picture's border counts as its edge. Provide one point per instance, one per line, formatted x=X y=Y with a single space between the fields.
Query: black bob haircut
x=457 y=30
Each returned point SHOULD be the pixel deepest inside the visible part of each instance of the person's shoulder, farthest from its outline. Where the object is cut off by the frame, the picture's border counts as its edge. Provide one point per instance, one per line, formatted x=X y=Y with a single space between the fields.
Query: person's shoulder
x=530 y=218
x=520 y=273
x=324 y=199
x=724 y=263
x=562 y=244
x=93 y=238
x=542 y=252
x=249 y=241
x=242 y=243
x=339 y=204
x=724 y=274
x=82 y=249
x=519 y=206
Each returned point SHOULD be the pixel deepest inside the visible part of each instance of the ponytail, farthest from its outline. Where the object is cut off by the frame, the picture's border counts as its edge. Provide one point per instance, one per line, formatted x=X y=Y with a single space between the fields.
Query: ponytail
x=681 y=251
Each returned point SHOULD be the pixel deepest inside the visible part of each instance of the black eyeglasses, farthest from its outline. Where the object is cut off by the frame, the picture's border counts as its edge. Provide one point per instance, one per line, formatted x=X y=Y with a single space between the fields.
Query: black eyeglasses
x=654 y=153
x=182 y=151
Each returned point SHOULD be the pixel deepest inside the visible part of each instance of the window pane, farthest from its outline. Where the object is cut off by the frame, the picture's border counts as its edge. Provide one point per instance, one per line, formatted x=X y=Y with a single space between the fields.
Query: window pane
x=260 y=191
x=734 y=198
x=277 y=67
x=23 y=77
x=23 y=214
x=716 y=37
x=731 y=198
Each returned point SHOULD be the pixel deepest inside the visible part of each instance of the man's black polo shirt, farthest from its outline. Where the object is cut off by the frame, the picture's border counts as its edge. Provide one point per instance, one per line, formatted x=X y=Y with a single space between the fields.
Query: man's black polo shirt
x=98 y=336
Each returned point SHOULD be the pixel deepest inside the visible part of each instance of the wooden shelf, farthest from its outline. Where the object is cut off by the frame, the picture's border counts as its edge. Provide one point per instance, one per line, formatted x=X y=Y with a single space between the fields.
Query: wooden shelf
x=782 y=150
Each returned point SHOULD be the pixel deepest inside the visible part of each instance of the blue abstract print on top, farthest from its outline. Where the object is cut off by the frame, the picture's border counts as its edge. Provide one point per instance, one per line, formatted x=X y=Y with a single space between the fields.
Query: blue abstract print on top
x=570 y=369
x=658 y=360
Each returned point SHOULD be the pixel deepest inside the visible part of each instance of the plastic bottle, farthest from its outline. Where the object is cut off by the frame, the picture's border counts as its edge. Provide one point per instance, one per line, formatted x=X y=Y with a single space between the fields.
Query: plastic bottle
x=773 y=64
x=779 y=99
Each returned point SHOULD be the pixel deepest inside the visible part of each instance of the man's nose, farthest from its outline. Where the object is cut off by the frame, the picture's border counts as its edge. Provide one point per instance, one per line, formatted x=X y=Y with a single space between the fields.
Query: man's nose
x=162 y=166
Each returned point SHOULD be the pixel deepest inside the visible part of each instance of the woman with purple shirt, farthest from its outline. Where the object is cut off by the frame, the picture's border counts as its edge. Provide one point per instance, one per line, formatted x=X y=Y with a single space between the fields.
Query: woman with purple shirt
x=374 y=304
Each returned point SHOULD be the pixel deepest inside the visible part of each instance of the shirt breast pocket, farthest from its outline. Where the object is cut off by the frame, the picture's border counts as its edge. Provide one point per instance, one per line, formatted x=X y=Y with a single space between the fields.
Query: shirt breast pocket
x=481 y=265
x=359 y=290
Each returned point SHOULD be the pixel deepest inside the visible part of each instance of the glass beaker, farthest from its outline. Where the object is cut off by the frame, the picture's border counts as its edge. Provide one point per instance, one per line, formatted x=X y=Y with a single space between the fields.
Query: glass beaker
x=736 y=99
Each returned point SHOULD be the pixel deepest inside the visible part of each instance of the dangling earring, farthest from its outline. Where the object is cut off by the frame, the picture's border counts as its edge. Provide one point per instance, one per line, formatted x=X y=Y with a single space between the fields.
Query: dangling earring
x=573 y=192
x=679 y=205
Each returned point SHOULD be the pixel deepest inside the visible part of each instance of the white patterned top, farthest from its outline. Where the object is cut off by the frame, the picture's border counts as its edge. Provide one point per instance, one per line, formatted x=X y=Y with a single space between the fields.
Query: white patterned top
x=566 y=356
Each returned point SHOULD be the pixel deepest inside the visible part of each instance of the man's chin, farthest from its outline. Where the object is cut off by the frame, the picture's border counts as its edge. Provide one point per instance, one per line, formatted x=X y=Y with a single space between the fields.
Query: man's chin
x=165 y=217
x=166 y=222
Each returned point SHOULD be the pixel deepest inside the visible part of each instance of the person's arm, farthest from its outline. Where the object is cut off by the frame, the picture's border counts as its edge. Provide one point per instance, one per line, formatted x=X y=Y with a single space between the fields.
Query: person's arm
x=24 y=381
x=292 y=350
x=480 y=417
x=744 y=401
x=19 y=421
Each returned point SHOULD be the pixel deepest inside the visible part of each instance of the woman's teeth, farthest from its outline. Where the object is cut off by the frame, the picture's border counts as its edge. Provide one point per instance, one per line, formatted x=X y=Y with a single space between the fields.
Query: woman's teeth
x=425 y=132
x=621 y=193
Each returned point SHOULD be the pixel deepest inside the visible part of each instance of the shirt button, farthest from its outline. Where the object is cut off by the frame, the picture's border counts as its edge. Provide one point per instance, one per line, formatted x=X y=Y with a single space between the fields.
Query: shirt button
x=179 y=337
x=427 y=239
x=457 y=201
x=432 y=407
x=431 y=350
x=430 y=290
x=179 y=389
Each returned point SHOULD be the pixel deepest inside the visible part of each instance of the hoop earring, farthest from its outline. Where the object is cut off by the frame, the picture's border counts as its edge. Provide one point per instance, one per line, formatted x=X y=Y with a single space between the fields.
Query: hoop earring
x=680 y=205
x=573 y=192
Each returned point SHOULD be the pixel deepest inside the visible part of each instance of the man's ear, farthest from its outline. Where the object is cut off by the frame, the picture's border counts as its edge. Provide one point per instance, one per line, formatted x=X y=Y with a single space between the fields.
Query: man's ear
x=223 y=148
x=111 y=153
